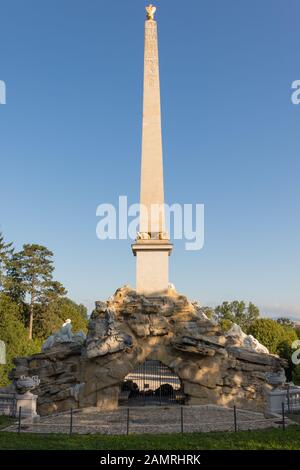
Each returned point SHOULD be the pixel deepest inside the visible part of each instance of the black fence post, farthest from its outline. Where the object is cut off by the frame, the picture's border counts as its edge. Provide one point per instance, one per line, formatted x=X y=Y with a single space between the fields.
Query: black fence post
x=283 y=417
x=235 y=418
x=144 y=380
x=127 y=427
x=288 y=399
x=19 y=419
x=71 y=421
x=14 y=410
x=160 y=382
x=181 y=418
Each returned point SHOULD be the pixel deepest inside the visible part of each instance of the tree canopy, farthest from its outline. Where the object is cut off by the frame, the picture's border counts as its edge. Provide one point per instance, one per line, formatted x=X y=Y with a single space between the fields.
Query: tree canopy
x=32 y=304
x=272 y=334
x=237 y=312
x=14 y=334
x=6 y=251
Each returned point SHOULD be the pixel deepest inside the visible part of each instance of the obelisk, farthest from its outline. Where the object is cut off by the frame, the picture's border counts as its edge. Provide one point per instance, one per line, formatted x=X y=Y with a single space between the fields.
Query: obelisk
x=152 y=247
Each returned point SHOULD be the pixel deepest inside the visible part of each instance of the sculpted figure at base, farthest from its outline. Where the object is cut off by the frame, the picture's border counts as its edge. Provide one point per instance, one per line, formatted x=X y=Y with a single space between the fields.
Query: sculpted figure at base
x=27 y=384
x=143 y=236
x=64 y=335
x=247 y=341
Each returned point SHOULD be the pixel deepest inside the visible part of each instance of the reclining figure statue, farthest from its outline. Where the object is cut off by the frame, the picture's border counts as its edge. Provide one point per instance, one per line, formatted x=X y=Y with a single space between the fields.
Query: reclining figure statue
x=64 y=335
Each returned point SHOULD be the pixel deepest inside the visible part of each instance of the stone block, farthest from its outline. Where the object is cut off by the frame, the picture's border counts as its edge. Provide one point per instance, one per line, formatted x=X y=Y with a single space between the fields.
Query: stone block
x=28 y=404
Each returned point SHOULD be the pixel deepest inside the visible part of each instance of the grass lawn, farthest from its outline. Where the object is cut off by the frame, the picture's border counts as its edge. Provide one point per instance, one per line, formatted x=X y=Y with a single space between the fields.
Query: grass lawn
x=5 y=421
x=246 y=440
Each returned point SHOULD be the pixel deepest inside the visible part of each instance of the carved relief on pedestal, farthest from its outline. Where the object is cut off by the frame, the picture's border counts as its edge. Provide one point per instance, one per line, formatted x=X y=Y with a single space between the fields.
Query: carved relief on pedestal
x=153 y=236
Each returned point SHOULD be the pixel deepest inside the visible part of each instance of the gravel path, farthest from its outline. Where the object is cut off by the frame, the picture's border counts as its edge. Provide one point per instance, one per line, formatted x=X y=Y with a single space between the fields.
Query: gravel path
x=160 y=419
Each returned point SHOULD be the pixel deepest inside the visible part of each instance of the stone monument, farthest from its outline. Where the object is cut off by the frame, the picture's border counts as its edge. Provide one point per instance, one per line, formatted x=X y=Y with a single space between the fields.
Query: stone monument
x=152 y=247
x=152 y=322
x=128 y=329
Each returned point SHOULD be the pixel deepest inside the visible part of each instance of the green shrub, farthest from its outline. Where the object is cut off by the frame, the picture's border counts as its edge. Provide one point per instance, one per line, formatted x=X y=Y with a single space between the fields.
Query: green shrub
x=272 y=335
x=15 y=336
x=296 y=375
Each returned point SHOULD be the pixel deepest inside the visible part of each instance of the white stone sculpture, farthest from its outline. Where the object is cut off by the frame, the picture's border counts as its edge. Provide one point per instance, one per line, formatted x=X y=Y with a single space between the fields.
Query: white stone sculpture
x=64 y=335
x=25 y=400
x=171 y=286
x=247 y=341
x=252 y=343
x=164 y=236
x=201 y=313
x=143 y=236
x=276 y=378
x=25 y=384
x=150 y=9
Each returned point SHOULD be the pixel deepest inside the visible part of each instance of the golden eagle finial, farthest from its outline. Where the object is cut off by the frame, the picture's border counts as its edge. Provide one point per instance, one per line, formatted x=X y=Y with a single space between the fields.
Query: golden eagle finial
x=150 y=9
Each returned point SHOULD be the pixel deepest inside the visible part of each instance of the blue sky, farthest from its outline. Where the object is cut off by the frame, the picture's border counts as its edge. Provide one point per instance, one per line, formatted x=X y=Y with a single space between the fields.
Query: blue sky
x=70 y=139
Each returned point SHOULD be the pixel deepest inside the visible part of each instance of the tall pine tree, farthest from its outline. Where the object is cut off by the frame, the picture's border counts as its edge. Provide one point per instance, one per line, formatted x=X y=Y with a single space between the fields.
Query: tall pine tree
x=6 y=251
x=36 y=268
x=13 y=282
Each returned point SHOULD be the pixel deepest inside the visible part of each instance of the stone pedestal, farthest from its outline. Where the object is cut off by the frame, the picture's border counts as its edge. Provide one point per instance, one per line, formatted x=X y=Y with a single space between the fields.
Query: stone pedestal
x=27 y=402
x=152 y=266
x=276 y=397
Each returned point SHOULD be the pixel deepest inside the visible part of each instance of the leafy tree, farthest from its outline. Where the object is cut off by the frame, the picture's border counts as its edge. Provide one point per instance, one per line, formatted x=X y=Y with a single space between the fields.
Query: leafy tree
x=285 y=351
x=6 y=252
x=15 y=336
x=76 y=313
x=53 y=291
x=237 y=312
x=225 y=324
x=284 y=321
x=30 y=297
x=49 y=317
x=13 y=284
x=268 y=332
x=289 y=334
x=36 y=266
x=296 y=375
x=272 y=335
